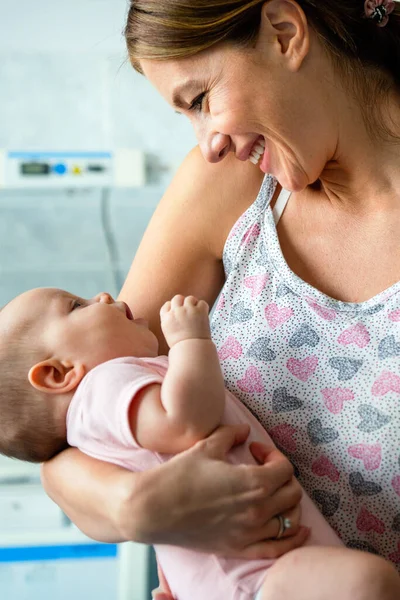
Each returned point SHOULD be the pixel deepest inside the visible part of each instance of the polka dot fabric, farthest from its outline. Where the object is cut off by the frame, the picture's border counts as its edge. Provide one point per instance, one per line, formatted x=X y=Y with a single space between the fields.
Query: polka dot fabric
x=322 y=376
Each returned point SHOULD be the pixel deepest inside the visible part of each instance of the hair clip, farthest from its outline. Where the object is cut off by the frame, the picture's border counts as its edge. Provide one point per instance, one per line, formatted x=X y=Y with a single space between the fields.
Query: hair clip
x=379 y=11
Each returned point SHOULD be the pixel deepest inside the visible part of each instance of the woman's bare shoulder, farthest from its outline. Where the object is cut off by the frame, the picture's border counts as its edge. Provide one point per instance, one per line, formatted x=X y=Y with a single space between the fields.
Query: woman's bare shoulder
x=218 y=192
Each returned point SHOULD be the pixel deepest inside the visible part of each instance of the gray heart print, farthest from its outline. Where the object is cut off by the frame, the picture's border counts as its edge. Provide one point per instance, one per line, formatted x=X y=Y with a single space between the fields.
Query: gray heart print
x=240 y=314
x=347 y=367
x=388 y=347
x=362 y=487
x=364 y=546
x=372 y=418
x=321 y=435
x=283 y=402
x=283 y=290
x=259 y=350
x=374 y=309
x=304 y=335
x=227 y=266
x=396 y=523
x=263 y=256
x=328 y=502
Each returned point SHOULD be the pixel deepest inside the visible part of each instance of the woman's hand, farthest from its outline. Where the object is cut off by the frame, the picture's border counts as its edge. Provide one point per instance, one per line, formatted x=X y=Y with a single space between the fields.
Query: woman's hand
x=199 y=501
x=196 y=500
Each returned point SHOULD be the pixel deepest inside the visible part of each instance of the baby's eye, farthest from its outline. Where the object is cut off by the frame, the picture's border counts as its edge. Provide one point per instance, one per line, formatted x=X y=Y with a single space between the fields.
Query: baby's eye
x=77 y=304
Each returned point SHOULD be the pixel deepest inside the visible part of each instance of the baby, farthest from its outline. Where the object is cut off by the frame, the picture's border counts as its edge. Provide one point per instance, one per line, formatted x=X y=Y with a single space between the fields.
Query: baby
x=87 y=373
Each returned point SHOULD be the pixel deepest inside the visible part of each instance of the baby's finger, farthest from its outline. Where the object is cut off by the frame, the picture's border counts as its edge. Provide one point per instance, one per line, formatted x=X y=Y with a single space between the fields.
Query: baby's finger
x=191 y=300
x=177 y=301
x=203 y=305
x=166 y=307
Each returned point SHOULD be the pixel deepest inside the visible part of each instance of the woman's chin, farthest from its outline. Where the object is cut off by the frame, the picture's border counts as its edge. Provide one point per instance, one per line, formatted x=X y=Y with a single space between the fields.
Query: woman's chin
x=290 y=181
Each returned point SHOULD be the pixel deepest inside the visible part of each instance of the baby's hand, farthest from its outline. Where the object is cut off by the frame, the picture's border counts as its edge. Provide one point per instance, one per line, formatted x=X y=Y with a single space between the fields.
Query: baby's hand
x=185 y=318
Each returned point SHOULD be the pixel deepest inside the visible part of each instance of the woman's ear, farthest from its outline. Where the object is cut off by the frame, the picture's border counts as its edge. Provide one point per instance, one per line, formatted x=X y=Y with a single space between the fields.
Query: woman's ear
x=55 y=377
x=284 y=23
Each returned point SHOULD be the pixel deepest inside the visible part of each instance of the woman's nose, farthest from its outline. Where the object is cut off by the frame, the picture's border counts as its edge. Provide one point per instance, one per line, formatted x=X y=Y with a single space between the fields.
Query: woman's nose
x=215 y=147
x=105 y=298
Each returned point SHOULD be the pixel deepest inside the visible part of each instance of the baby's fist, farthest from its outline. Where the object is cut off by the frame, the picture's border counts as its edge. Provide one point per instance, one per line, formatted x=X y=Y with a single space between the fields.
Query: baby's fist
x=185 y=318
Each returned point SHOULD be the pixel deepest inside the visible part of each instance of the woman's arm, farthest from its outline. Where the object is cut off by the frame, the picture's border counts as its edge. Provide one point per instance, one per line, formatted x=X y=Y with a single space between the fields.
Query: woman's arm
x=181 y=250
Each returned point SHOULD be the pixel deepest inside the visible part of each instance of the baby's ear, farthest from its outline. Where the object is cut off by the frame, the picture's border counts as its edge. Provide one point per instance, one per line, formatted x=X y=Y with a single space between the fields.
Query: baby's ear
x=55 y=377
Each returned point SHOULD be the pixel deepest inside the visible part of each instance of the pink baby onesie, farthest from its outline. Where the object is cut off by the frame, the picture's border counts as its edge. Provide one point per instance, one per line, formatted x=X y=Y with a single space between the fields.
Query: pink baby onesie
x=321 y=375
x=98 y=424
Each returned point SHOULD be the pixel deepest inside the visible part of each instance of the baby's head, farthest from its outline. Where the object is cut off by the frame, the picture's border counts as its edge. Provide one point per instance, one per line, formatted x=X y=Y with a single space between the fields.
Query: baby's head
x=49 y=339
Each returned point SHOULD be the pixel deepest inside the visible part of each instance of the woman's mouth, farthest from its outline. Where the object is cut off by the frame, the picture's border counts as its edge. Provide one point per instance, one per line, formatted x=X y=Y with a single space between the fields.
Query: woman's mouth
x=257 y=151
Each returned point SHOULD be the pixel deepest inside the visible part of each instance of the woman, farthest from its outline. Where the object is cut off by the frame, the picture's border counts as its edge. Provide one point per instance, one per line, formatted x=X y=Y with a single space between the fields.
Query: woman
x=306 y=324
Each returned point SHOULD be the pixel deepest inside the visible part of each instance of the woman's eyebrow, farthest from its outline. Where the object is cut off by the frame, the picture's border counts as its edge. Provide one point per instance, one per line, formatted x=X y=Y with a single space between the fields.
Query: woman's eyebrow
x=177 y=100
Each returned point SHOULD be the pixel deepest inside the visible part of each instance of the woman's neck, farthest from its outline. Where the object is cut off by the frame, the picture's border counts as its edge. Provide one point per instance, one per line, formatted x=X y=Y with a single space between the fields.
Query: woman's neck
x=364 y=173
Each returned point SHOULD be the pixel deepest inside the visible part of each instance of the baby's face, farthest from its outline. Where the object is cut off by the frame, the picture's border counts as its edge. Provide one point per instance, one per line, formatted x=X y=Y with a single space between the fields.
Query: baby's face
x=73 y=329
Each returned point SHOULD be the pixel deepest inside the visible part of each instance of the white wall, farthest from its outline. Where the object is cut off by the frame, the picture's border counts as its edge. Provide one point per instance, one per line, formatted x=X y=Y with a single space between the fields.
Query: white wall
x=65 y=83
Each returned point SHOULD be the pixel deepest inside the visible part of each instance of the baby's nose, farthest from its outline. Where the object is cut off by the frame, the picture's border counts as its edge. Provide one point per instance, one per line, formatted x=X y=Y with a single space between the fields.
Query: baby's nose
x=105 y=298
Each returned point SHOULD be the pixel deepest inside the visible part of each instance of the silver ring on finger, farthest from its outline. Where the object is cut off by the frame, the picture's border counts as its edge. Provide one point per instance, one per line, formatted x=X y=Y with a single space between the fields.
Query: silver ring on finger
x=284 y=525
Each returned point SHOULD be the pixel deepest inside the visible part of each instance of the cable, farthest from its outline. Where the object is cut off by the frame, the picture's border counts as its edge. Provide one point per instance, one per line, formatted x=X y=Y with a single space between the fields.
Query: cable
x=109 y=237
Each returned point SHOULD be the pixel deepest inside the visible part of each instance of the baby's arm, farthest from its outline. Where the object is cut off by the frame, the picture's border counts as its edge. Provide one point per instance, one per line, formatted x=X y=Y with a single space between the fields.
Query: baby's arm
x=190 y=402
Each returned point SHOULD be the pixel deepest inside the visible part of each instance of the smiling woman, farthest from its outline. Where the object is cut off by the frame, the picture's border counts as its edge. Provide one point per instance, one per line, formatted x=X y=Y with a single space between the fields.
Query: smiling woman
x=301 y=250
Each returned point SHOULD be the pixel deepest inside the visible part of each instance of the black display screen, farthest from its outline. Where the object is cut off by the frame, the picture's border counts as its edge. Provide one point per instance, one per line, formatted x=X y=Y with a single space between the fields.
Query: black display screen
x=35 y=168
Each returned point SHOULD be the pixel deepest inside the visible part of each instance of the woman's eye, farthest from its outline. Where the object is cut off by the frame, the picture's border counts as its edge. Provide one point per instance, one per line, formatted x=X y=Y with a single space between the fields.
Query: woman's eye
x=197 y=103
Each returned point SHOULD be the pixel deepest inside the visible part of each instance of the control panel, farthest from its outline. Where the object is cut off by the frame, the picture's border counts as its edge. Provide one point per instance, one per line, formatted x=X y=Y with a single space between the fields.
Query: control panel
x=39 y=169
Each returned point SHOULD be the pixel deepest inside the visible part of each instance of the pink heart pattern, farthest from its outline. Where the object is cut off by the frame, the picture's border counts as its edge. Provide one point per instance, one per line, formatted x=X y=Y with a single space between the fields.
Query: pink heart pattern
x=236 y=228
x=334 y=398
x=366 y=521
x=256 y=283
x=251 y=234
x=302 y=369
x=386 y=382
x=230 y=349
x=277 y=316
x=283 y=436
x=371 y=455
x=324 y=467
x=322 y=375
x=325 y=313
x=396 y=484
x=221 y=303
x=356 y=334
x=394 y=315
x=251 y=382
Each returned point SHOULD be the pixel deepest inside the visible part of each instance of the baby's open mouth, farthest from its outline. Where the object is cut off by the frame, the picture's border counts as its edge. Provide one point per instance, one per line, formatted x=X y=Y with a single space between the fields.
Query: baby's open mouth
x=128 y=312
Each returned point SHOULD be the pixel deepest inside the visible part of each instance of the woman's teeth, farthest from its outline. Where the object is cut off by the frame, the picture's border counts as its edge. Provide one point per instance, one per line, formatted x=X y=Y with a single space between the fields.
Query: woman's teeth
x=257 y=151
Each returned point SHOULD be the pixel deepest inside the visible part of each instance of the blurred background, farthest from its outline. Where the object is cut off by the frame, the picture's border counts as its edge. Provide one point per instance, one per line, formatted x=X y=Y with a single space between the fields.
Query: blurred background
x=87 y=148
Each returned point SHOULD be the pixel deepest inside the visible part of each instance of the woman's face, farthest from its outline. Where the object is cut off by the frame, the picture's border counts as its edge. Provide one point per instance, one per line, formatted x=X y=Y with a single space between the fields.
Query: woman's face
x=238 y=98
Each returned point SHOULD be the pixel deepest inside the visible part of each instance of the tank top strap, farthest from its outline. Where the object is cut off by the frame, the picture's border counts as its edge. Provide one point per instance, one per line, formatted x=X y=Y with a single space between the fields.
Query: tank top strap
x=280 y=205
x=248 y=220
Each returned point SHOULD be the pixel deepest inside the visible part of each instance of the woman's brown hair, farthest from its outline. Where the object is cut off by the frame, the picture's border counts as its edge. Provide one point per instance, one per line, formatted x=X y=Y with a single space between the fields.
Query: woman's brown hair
x=368 y=56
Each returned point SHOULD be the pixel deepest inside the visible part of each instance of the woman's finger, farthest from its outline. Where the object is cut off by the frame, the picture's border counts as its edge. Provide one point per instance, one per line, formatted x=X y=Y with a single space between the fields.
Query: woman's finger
x=286 y=498
x=274 y=548
x=262 y=453
x=270 y=530
x=276 y=471
x=260 y=521
x=218 y=444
